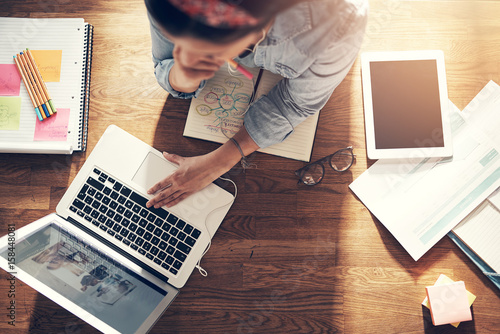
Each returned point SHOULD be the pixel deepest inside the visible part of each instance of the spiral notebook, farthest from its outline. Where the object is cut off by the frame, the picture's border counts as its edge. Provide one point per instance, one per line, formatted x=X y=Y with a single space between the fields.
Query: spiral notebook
x=65 y=44
x=218 y=112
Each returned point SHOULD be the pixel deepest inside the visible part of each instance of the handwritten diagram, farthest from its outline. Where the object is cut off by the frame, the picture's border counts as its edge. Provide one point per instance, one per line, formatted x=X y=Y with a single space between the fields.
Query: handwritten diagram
x=226 y=103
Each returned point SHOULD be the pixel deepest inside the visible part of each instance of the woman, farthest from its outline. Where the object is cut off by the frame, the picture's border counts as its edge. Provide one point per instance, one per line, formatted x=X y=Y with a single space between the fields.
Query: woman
x=311 y=43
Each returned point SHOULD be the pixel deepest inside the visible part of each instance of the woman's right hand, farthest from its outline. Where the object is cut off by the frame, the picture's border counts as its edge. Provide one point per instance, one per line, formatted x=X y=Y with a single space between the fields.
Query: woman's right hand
x=189 y=70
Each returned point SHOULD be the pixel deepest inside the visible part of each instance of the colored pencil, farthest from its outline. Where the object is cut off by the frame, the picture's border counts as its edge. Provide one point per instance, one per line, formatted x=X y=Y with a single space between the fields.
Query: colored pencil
x=38 y=95
x=38 y=84
x=240 y=68
x=28 y=89
x=30 y=86
x=42 y=83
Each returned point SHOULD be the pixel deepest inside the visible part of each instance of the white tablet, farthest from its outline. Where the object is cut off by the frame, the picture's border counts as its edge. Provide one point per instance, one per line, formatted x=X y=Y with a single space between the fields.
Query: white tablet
x=406 y=104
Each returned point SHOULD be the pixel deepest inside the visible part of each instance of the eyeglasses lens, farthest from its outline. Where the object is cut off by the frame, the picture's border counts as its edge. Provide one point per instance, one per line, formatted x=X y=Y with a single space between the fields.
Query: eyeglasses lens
x=313 y=174
x=342 y=160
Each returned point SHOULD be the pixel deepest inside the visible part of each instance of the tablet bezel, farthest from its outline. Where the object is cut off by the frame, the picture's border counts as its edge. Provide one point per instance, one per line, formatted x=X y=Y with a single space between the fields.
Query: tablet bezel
x=399 y=153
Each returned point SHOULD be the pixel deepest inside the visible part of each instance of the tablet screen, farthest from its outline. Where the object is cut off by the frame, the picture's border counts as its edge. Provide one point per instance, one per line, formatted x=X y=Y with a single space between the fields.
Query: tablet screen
x=406 y=104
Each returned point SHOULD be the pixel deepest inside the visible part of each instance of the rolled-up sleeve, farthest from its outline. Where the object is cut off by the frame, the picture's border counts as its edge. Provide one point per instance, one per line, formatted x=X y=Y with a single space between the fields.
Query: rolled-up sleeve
x=273 y=117
x=162 y=49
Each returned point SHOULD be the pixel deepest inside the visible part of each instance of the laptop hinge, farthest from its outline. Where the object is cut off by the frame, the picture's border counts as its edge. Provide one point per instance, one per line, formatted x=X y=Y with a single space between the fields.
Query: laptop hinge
x=118 y=249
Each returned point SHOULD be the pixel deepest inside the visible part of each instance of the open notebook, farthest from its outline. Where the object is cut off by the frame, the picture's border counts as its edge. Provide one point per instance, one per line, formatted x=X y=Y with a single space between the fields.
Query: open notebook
x=218 y=112
x=478 y=235
x=62 y=49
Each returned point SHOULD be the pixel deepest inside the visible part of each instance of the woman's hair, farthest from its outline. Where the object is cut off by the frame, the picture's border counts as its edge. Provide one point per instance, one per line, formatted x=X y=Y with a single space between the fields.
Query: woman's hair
x=174 y=17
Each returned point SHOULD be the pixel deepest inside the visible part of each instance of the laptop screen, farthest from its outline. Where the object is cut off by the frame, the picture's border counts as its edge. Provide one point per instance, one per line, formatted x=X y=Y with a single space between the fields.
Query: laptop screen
x=88 y=278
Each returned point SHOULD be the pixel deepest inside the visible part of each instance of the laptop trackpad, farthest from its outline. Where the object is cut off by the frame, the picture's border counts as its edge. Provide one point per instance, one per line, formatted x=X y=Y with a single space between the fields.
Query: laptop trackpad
x=152 y=170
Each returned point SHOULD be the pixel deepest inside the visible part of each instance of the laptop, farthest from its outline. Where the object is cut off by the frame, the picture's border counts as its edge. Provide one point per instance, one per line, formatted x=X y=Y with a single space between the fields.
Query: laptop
x=103 y=255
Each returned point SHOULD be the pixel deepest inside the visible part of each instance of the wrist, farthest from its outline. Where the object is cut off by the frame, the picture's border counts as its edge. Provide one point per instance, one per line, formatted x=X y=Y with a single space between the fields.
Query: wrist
x=226 y=156
x=236 y=149
x=245 y=163
x=181 y=84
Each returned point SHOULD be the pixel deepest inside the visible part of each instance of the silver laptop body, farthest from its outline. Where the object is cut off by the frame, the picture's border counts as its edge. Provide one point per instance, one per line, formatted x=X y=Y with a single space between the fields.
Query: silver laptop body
x=122 y=168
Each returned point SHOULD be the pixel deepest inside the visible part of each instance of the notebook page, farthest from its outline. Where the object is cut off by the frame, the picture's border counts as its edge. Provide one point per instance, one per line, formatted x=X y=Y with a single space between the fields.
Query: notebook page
x=221 y=106
x=481 y=232
x=45 y=34
x=299 y=144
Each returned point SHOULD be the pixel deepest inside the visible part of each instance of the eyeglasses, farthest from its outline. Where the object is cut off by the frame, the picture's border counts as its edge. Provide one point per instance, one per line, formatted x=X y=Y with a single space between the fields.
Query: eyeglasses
x=313 y=173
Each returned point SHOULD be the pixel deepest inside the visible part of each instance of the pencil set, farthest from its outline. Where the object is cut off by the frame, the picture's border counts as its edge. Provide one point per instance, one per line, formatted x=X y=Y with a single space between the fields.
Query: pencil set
x=35 y=85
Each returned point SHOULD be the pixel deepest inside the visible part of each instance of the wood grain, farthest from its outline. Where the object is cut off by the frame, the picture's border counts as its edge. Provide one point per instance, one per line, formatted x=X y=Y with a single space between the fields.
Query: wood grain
x=288 y=258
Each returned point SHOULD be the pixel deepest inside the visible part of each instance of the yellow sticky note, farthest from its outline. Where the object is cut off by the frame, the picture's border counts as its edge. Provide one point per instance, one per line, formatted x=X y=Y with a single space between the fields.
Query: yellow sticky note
x=443 y=279
x=49 y=64
x=10 y=113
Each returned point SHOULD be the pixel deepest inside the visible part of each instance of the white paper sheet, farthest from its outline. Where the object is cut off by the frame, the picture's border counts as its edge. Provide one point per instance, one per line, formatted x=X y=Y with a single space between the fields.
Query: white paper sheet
x=495 y=199
x=421 y=200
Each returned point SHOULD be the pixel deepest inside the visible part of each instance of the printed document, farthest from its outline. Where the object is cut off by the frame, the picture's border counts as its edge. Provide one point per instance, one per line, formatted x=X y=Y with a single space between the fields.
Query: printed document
x=421 y=200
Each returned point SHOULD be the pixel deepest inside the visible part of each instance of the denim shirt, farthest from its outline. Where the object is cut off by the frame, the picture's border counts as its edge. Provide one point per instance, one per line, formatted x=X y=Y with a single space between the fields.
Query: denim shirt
x=312 y=45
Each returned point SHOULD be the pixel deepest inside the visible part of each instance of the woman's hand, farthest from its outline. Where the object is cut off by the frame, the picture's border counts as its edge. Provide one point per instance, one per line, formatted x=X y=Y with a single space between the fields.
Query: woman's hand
x=188 y=71
x=193 y=174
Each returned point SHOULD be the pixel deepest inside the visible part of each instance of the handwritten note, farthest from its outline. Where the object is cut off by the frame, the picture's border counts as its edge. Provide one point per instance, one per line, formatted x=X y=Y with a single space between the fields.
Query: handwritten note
x=10 y=113
x=10 y=80
x=54 y=128
x=49 y=64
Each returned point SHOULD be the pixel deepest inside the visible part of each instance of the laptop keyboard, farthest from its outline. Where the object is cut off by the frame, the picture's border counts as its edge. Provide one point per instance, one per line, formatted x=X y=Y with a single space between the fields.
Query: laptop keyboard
x=154 y=234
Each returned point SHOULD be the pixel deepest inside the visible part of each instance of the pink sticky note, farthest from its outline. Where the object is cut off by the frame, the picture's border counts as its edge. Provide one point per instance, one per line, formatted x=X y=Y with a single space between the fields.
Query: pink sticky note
x=10 y=80
x=54 y=128
x=448 y=303
x=443 y=279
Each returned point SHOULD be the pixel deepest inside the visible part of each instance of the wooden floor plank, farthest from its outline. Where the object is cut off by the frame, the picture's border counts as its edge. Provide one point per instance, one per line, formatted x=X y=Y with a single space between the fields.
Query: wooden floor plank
x=24 y=197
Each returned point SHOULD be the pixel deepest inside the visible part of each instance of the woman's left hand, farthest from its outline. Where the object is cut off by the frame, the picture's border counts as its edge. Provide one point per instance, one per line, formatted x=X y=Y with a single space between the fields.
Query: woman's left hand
x=193 y=174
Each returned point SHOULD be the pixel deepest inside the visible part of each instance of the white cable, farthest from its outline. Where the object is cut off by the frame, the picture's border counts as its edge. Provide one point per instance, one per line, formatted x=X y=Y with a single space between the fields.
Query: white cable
x=198 y=266
x=234 y=73
x=264 y=35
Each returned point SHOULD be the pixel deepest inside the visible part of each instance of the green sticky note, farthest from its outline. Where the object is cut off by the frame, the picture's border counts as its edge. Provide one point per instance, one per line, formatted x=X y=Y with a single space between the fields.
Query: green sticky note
x=10 y=112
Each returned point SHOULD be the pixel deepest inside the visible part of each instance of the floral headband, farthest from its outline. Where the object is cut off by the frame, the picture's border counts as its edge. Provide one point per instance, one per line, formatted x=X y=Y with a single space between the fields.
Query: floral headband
x=216 y=13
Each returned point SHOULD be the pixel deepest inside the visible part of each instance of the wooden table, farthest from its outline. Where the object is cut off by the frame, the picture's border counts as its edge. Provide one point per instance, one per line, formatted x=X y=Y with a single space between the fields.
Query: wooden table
x=287 y=258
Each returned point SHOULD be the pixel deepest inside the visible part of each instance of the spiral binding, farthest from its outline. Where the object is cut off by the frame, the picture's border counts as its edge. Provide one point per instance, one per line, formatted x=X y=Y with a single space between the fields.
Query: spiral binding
x=85 y=91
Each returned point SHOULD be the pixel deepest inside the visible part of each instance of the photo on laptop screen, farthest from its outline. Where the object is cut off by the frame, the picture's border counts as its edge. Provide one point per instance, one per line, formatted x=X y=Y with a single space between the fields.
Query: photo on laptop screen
x=87 y=277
